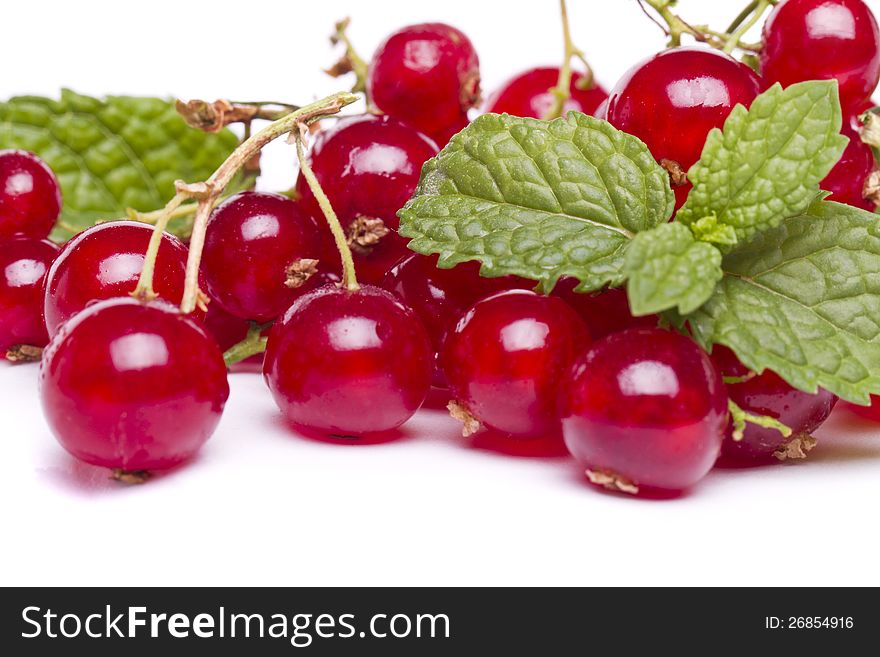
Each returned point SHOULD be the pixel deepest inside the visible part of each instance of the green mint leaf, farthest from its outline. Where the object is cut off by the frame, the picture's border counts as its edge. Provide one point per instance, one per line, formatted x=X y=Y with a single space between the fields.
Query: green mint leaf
x=708 y=229
x=803 y=300
x=667 y=268
x=767 y=162
x=539 y=199
x=111 y=154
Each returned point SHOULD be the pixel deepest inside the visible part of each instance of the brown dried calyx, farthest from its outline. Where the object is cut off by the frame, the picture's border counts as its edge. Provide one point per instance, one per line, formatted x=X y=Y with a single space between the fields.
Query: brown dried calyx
x=24 y=353
x=470 y=424
x=364 y=233
x=871 y=189
x=471 y=93
x=300 y=271
x=796 y=448
x=677 y=175
x=129 y=477
x=612 y=481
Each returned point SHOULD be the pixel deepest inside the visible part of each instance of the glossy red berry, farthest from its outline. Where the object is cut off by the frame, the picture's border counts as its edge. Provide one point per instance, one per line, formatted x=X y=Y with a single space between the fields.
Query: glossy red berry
x=505 y=359
x=348 y=364
x=767 y=394
x=823 y=40
x=30 y=198
x=369 y=167
x=604 y=312
x=440 y=296
x=644 y=409
x=259 y=250
x=427 y=75
x=528 y=94
x=133 y=386
x=105 y=261
x=673 y=99
x=846 y=181
x=23 y=266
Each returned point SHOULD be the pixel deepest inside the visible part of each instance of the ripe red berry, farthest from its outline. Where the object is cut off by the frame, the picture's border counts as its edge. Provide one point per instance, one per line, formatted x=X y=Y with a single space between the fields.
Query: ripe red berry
x=348 y=363
x=644 y=409
x=259 y=250
x=871 y=412
x=133 y=386
x=767 y=394
x=505 y=358
x=369 y=167
x=23 y=266
x=846 y=181
x=30 y=198
x=604 y=312
x=440 y=296
x=673 y=99
x=823 y=40
x=427 y=75
x=528 y=94
x=105 y=261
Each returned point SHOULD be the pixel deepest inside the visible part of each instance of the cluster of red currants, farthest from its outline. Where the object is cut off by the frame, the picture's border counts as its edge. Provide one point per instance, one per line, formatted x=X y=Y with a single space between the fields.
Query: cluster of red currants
x=135 y=385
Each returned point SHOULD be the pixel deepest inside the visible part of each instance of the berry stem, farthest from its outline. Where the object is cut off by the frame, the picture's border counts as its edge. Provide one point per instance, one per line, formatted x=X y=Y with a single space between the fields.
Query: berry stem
x=351 y=61
x=562 y=91
x=349 y=277
x=253 y=344
x=144 y=289
x=208 y=191
x=758 y=9
x=739 y=417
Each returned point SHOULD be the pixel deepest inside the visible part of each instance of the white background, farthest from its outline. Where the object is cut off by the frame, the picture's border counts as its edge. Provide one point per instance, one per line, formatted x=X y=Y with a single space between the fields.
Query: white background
x=263 y=506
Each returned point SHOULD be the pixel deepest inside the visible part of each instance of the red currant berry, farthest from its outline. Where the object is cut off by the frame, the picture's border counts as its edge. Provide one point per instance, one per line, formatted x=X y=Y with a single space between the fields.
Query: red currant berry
x=442 y=137
x=259 y=250
x=644 y=409
x=505 y=358
x=767 y=394
x=105 y=261
x=672 y=100
x=348 y=363
x=427 y=75
x=369 y=167
x=871 y=412
x=846 y=181
x=604 y=312
x=440 y=296
x=133 y=386
x=823 y=40
x=601 y=112
x=23 y=266
x=30 y=198
x=528 y=94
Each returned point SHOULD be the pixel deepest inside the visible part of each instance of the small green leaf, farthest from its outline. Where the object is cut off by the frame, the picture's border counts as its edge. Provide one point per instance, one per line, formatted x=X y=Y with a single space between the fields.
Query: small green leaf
x=111 y=154
x=708 y=229
x=804 y=301
x=539 y=199
x=766 y=164
x=666 y=268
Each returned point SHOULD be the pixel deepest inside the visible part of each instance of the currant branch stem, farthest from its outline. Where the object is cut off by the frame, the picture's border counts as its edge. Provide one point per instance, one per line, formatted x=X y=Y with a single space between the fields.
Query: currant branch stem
x=734 y=41
x=213 y=187
x=562 y=91
x=676 y=26
x=349 y=276
x=207 y=193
